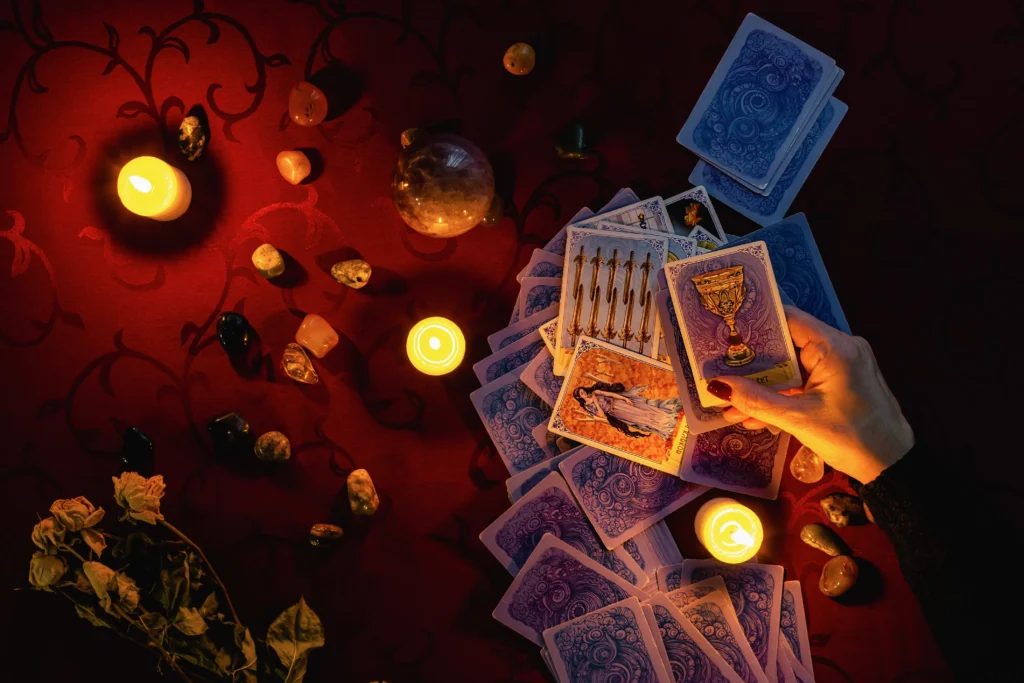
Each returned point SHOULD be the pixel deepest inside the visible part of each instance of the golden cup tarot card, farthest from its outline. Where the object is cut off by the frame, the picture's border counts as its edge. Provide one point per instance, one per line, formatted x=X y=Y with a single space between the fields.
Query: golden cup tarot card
x=622 y=403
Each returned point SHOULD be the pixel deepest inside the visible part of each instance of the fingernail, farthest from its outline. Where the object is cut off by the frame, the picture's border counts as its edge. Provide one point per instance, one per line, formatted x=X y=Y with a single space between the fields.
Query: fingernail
x=720 y=390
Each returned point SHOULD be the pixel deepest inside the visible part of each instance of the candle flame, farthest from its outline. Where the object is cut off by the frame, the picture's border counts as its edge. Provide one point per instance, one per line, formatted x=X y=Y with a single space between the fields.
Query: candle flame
x=434 y=343
x=140 y=183
x=737 y=534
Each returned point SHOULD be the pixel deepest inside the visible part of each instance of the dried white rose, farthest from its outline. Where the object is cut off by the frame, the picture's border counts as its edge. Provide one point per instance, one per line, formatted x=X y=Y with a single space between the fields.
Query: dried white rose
x=75 y=514
x=127 y=592
x=47 y=535
x=45 y=570
x=139 y=496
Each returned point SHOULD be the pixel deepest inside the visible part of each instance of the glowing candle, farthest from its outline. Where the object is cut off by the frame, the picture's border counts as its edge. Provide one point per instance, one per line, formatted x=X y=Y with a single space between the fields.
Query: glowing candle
x=436 y=346
x=731 y=532
x=153 y=188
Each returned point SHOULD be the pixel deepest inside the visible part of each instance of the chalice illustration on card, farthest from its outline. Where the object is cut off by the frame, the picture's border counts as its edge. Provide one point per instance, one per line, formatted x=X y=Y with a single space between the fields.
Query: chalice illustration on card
x=722 y=293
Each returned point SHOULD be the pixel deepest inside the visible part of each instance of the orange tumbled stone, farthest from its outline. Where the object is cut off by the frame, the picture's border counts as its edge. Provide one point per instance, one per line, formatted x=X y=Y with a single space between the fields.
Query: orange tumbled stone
x=293 y=166
x=520 y=59
x=307 y=104
x=317 y=335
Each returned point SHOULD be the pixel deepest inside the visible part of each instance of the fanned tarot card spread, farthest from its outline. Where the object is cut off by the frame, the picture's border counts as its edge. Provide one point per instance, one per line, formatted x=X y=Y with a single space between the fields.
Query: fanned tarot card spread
x=510 y=412
x=698 y=418
x=622 y=403
x=620 y=497
x=624 y=197
x=537 y=294
x=797 y=671
x=714 y=617
x=655 y=548
x=693 y=209
x=550 y=508
x=670 y=577
x=558 y=583
x=514 y=333
x=519 y=485
x=649 y=214
x=608 y=290
x=769 y=209
x=731 y=319
x=756 y=594
x=738 y=459
x=611 y=643
x=757 y=102
x=508 y=358
x=684 y=596
x=539 y=376
x=691 y=658
x=679 y=246
x=793 y=622
x=542 y=264
x=549 y=333
x=799 y=269
x=705 y=240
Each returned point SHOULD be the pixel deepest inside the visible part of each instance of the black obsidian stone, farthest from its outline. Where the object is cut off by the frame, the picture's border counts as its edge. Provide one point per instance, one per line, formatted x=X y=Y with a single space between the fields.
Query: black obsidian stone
x=137 y=452
x=235 y=333
x=231 y=435
x=574 y=142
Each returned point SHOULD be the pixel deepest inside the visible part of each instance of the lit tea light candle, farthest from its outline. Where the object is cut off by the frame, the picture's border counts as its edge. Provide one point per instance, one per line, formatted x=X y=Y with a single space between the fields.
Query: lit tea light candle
x=731 y=532
x=153 y=188
x=436 y=346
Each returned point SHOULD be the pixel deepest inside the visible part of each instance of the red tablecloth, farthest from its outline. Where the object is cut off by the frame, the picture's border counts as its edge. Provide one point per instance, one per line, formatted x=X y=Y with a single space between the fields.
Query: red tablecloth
x=106 y=322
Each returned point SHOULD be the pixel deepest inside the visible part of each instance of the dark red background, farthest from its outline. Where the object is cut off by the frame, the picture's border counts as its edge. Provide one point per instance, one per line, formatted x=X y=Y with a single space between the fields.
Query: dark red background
x=106 y=321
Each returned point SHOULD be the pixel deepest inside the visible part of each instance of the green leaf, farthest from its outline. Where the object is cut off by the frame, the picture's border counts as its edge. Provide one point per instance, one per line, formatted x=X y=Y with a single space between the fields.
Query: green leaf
x=190 y=622
x=292 y=635
x=89 y=614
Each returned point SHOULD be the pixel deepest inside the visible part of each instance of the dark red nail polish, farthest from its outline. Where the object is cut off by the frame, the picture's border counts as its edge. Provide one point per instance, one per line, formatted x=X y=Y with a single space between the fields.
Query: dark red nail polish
x=720 y=390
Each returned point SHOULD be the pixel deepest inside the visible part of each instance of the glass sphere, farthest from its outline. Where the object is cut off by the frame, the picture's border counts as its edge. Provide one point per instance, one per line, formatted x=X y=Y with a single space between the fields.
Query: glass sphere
x=443 y=184
x=307 y=104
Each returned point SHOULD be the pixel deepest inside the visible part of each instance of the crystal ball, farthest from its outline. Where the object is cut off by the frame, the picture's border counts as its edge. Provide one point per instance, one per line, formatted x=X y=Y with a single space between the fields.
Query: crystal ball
x=443 y=184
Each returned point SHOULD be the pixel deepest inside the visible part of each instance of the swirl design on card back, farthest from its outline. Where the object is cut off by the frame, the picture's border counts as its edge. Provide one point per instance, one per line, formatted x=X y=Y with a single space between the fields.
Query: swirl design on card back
x=688 y=661
x=751 y=592
x=709 y=619
x=607 y=646
x=737 y=456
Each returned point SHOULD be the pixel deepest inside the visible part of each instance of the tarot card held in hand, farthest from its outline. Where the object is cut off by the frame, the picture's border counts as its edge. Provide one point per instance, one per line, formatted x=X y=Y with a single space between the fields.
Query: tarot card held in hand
x=554 y=583
x=731 y=318
x=608 y=290
x=691 y=210
x=615 y=639
x=623 y=403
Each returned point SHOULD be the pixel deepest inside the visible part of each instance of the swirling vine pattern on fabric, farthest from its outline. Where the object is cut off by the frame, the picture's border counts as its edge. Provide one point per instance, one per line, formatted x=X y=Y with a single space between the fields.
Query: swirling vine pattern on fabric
x=689 y=663
x=606 y=646
x=558 y=588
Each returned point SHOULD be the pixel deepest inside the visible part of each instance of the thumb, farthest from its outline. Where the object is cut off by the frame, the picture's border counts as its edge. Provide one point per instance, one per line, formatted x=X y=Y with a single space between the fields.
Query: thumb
x=754 y=400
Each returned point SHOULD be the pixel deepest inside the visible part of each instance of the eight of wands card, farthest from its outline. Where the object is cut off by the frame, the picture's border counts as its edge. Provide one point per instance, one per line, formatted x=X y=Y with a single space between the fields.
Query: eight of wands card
x=731 y=318
x=622 y=403
x=549 y=508
x=608 y=290
x=613 y=643
x=555 y=585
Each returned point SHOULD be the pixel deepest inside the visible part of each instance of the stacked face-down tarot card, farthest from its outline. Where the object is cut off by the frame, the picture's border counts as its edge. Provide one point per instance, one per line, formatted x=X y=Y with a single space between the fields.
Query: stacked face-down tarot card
x=595 y=398
x=763 y=120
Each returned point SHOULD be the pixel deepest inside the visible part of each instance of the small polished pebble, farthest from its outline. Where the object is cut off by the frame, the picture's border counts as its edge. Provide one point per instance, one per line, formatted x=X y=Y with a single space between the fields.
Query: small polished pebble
x=324 y=534
x=495 y=212
x=137 y=452
x=307 y=104
x=838 y=575
x=297 y=365
x=362 y=495
x=192 y=137
x=354 y=273
x=235 y=333
x=820 y=536
x=317 y=335
x=574 y=142
x=273 y=447
x=294 y=166
x=842 y=509
x=230 y=434
x=807 y=466
x=268 y=261
x=520 y=59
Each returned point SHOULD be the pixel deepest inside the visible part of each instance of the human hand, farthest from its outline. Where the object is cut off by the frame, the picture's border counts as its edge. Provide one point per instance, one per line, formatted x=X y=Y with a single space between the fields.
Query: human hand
x=845 y=412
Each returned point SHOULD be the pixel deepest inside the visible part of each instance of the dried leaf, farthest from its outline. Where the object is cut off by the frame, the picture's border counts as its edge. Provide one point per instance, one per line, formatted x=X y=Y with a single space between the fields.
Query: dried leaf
x=293 y=634
x=94 y=539
x=154 y=621
x=89 y=614
x=209 y=607
x=190 y=622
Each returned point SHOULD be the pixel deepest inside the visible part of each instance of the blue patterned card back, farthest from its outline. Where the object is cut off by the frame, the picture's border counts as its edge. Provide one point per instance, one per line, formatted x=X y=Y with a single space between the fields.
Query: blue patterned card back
x=766 y=210
x=691 y=658
x=520 y=329
x=737 y=459
x=508 y=358
x=762 y=91
x=714 y=617
x=518 y=485
x=799 y=270
x=684 y=596
x=510 y=412
x=539 y=375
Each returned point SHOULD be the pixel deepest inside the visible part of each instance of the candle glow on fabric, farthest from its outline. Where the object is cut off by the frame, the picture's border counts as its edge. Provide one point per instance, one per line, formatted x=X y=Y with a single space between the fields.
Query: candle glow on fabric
x=436 y=346
x=151 y=187
x=731 y=532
